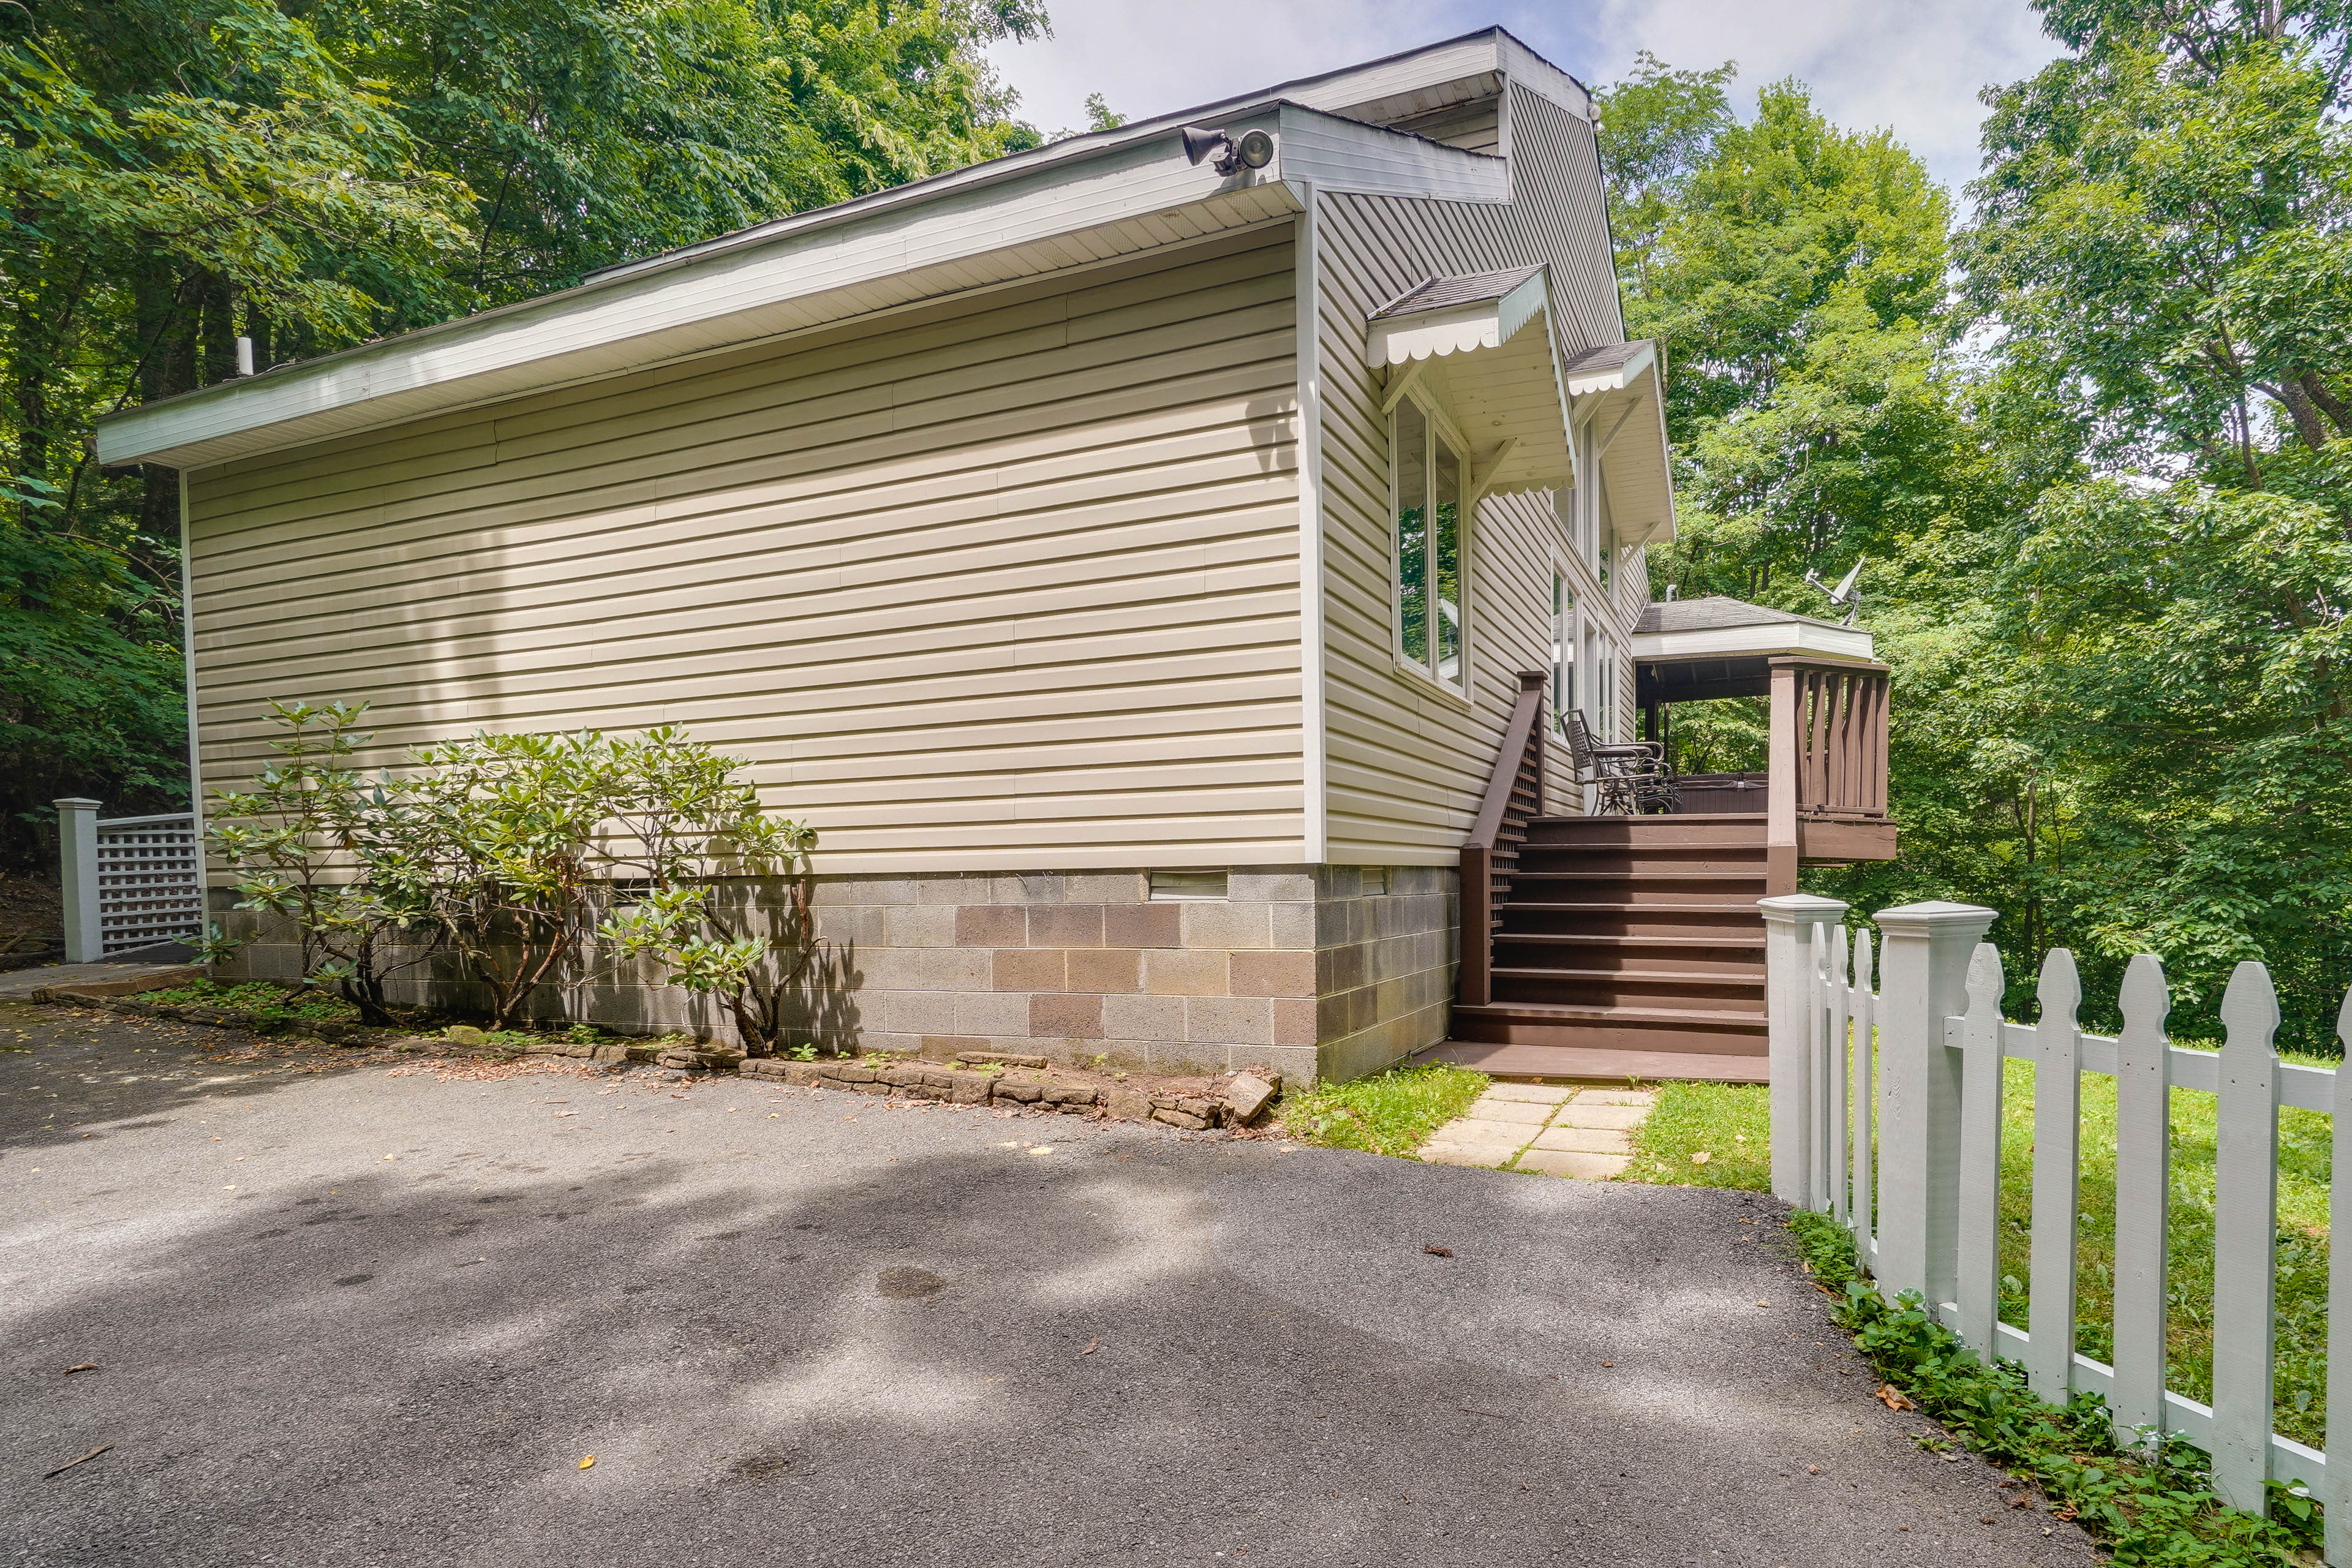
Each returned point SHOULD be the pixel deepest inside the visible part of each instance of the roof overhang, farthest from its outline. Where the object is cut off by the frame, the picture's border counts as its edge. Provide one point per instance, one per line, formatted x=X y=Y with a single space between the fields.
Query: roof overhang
x=1089 y=199
x=1617 y=396
x=1764 y=639
x=1493 y=365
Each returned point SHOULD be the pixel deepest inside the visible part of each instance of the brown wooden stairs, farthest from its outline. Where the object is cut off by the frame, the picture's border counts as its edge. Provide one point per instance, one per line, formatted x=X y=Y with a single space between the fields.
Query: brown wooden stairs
x=1607 y=947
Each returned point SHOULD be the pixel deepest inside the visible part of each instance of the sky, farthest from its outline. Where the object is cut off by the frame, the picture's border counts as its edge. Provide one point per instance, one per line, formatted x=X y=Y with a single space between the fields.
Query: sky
x=1912 y=66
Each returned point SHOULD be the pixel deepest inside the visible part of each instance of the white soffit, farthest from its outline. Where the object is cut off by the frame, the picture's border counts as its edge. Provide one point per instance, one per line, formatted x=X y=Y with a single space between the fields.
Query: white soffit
x=1122 y=193
x=1764 y=639
x=1481 y=346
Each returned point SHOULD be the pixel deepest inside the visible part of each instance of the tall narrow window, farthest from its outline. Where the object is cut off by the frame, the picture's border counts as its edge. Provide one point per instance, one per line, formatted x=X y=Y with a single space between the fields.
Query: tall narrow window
x=1432 y=553
x=1563 y=651
x=1446 y=565
x=1412 y=449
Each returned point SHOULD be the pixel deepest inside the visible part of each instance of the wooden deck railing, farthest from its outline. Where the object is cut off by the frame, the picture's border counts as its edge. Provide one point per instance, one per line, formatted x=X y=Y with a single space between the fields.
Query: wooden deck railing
x=1490 y=856
x=1828 y=741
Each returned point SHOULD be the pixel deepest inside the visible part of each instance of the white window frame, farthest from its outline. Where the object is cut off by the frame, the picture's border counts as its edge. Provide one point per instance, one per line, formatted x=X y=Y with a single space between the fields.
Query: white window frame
x=1440 y=426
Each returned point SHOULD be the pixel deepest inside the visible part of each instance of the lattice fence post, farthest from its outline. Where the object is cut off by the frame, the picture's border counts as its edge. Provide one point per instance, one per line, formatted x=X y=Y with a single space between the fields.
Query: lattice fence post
x=78 y=878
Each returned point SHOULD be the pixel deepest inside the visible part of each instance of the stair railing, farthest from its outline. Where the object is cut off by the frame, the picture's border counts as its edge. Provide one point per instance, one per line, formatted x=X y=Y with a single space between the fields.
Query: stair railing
x=1491 y=855
x=1827 y=752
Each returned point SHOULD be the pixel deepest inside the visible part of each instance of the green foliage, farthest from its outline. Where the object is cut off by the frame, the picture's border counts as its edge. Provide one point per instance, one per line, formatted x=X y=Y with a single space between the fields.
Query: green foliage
x=1390 y=1112
x=514 y=839
x=259 y=997
x=330 y=852
x=2162 y=233
x=2152 y=1508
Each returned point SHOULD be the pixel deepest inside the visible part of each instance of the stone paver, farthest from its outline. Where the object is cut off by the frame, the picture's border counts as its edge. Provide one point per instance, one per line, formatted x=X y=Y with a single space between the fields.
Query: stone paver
x=1576 y=1113
x=1533 y=1093
x=1585 y=1139
x=1555 y=1130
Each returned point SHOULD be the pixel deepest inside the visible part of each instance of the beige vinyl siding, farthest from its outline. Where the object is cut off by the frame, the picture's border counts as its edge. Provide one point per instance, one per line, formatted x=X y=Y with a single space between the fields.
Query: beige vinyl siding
x=999 y=584
x=1407 y=763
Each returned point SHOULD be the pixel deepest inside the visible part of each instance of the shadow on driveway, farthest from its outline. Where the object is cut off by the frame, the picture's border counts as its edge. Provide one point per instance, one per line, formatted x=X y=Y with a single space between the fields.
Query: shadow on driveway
x=810 y=1329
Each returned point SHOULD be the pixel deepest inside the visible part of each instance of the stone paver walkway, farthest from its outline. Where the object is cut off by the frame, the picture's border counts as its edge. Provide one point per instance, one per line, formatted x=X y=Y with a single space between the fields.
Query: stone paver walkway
x=1555 y=1129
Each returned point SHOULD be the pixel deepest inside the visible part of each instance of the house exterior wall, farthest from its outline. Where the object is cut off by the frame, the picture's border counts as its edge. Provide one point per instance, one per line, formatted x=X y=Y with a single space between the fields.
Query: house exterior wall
x=1004 y=583
x=1408 y=762
x=1004 y=594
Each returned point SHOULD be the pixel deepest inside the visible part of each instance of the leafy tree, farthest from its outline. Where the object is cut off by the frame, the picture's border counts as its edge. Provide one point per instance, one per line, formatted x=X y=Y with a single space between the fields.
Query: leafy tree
x=2163 y=231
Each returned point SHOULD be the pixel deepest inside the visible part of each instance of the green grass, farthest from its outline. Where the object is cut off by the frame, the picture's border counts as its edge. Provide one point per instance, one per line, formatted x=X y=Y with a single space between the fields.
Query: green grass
x=1391 y=1113
x=1729 y=1124
x=259 y=996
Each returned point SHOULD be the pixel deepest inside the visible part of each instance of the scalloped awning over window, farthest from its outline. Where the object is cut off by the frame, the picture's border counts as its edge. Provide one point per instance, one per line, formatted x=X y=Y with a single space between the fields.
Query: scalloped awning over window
x=1480 y=345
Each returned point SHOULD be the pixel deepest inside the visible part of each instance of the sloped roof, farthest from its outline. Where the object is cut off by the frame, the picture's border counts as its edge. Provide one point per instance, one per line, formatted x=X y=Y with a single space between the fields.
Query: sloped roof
x=1715 y=611
x=1465 y=288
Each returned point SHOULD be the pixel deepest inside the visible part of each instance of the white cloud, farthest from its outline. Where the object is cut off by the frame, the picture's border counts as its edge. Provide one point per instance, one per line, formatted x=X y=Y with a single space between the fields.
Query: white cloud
x=1912 y=66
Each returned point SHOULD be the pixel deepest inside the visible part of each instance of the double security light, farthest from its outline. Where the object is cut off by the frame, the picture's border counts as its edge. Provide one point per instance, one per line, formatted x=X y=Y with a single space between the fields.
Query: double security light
x=1254 y=150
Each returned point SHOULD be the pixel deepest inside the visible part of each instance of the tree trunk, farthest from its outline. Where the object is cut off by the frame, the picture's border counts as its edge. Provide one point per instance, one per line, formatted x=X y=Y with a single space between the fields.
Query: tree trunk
x=2305 y=413
x=2314 y=387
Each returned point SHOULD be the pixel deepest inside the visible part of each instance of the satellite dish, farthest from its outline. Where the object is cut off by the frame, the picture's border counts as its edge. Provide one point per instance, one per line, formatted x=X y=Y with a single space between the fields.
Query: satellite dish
x=1845 y=592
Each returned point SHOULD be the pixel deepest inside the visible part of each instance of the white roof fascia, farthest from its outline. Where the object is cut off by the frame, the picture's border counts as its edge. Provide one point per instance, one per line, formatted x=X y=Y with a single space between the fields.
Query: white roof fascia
x=706 y=302
x=1457 y=328
x=1764 y=639
x=1612 y=378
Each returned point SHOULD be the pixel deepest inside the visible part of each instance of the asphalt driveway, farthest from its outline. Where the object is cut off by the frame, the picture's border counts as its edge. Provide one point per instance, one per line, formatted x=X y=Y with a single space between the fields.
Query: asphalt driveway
x=359 y=1313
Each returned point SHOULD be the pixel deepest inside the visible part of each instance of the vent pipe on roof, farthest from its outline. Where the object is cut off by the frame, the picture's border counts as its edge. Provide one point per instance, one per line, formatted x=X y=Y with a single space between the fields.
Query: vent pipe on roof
x=245 y=356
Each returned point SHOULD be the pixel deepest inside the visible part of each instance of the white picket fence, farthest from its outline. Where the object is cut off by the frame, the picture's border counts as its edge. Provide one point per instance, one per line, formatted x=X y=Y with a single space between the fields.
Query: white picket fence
x=129 y=883
x=1906 y=1150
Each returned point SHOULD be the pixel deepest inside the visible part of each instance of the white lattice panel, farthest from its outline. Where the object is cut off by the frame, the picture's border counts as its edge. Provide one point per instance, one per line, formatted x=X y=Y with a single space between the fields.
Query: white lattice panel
x=149 y=890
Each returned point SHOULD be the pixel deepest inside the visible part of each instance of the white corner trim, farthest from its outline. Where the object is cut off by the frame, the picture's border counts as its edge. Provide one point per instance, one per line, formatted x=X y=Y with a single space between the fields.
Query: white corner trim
x=1314 y=743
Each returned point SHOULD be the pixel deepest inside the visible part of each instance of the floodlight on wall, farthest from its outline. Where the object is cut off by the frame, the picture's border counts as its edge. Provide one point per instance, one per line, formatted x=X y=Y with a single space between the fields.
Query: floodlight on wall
x=1254 y=150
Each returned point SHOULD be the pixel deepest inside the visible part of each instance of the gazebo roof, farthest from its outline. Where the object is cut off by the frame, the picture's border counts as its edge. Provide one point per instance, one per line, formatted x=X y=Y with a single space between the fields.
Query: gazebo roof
x=1716 y=627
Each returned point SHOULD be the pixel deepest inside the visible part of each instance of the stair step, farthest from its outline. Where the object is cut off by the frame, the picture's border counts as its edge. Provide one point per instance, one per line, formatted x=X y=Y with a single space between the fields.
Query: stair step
x=1572 y=1013
x=1596 y=1064
x=1744 y=978
x=1611 y=938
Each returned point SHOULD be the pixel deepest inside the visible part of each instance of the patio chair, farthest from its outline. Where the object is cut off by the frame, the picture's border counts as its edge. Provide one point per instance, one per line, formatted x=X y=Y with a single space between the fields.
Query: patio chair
x=1631 y=777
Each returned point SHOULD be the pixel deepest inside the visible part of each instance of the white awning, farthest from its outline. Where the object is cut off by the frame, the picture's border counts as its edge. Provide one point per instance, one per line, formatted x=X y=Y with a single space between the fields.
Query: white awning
x=1619 y=400
x=1482 y=345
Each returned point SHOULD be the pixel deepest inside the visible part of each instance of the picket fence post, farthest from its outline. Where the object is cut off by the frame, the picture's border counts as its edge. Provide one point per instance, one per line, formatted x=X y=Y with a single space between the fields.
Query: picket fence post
x=1978 y=1236
x=1830 y=1148
x=2057 y=1178
x=2245 y=1240
x=1865 y=1110
x=1793 y=933
x=2143 y=1200
x=1922 y=967
x=2337 y=1487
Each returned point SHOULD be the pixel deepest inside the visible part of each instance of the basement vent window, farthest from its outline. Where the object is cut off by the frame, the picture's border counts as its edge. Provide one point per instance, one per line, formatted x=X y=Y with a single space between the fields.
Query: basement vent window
x=1192 y=884
x=1372 y=881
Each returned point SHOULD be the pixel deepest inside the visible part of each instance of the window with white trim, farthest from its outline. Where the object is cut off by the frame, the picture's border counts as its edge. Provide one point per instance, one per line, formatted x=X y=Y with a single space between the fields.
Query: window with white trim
x=1563 y=649
x=1428 y=478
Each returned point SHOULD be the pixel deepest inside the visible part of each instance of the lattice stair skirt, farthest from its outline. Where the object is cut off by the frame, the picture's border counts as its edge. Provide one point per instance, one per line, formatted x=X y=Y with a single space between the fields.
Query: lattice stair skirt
x=130 y=882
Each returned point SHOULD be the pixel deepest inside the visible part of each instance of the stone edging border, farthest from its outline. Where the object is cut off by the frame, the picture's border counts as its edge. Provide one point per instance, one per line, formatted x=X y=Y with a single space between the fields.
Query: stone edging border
x=1243 y=1098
